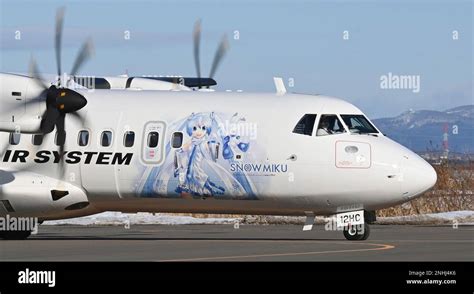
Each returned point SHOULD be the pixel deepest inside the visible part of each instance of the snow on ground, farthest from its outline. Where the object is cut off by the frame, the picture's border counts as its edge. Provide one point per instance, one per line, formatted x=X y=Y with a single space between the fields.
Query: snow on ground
x=118 y=218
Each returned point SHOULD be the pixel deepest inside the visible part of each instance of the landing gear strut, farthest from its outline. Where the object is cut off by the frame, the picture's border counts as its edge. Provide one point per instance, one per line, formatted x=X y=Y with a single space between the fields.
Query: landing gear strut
x=357 y=232
x=14 y=235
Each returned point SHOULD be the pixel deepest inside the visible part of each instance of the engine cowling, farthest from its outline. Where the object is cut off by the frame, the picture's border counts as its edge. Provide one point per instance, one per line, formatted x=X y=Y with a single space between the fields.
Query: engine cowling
x=16 y=114
x=27 y=194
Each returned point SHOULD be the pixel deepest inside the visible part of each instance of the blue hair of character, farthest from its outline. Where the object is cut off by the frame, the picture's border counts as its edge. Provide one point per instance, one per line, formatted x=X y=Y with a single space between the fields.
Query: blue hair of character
x=199 y=120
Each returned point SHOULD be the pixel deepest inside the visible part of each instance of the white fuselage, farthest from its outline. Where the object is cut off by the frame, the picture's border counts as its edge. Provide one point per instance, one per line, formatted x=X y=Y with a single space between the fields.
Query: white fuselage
x=250 y=162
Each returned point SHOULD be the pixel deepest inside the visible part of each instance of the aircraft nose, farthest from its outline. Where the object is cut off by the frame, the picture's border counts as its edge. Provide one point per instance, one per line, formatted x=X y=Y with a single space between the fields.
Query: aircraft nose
x=418 y=175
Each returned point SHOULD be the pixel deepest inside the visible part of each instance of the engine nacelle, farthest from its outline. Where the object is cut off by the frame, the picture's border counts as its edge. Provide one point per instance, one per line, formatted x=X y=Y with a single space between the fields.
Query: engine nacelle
x=17 y=112
x=26 y=194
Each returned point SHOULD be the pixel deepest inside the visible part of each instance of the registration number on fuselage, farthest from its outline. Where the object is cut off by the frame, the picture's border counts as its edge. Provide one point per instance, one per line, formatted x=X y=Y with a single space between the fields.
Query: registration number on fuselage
x=350 y=218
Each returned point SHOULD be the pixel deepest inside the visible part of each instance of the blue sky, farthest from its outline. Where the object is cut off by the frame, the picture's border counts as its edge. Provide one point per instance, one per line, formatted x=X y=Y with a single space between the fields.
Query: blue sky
x=302 y=40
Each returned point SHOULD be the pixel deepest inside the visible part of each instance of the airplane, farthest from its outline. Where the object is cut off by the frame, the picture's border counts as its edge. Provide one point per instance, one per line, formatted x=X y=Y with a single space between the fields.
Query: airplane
x=76 y=152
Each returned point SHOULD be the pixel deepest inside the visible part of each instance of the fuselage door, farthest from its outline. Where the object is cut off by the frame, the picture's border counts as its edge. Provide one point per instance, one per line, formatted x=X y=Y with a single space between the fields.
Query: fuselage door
x=153 y=143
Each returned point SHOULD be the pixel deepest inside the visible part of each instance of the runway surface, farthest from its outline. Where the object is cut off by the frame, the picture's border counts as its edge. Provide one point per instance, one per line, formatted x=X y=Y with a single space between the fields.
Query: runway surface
x=248 y=243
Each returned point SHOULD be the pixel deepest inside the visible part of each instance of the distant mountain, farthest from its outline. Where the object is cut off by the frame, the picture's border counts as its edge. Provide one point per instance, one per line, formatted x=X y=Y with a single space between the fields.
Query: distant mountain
x=423 y=130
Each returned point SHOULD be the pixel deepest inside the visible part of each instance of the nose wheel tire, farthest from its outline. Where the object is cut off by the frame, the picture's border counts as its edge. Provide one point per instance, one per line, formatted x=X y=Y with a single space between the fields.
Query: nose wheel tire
x=14 y=235
x=356 y=233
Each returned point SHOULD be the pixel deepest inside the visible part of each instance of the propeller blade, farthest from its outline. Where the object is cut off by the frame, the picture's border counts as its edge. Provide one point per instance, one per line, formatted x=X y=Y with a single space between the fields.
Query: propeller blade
x=62 y=166
x=22 y=105
x=79 y=117
x=58 y=38
x=34 y=73
x=85 y=53
x=61 y=140
x=221 y=50
x=48 y=122
x=197 y=42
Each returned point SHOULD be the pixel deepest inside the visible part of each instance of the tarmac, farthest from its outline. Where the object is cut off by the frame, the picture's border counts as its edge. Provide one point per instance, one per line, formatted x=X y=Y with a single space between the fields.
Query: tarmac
x=245 y=243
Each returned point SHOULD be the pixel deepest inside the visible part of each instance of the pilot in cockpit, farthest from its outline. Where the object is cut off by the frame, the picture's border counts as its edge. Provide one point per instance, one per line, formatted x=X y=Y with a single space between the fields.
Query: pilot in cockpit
x=328 y=125
x=324 y=127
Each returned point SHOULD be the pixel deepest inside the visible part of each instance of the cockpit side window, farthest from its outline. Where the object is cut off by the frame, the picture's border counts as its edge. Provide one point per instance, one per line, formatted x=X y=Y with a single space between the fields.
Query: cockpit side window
x=329 y=124
x=305 y=125
x=358 y=124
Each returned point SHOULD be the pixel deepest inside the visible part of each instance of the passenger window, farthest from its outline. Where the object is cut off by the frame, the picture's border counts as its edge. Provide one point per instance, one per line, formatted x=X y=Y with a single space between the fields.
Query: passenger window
x=305 y=125
x=106 y=139
x=15 y=138
x=177 y=140
x=83 y=139
x=37 y=140
x=329 y=125
x=60 y=138
x=129 y=139
x=153 y=138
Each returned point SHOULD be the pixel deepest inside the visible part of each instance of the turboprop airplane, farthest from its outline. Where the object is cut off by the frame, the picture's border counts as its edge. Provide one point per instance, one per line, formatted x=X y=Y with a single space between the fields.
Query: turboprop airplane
x=76 y=152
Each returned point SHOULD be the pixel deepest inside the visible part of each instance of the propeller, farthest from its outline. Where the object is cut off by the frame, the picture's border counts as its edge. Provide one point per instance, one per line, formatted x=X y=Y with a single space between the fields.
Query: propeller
x=85 y=53
x=60 y=101
x=58 y=38
x=220 y=52
x=197 y=44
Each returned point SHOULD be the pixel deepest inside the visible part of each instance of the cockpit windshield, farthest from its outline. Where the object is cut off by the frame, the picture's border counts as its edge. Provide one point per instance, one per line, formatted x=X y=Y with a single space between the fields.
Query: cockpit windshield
x=358 y=124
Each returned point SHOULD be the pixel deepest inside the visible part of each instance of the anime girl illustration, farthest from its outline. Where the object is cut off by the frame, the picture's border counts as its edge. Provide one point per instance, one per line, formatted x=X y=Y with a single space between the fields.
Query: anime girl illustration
x=194 y=155
x=200 y=167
